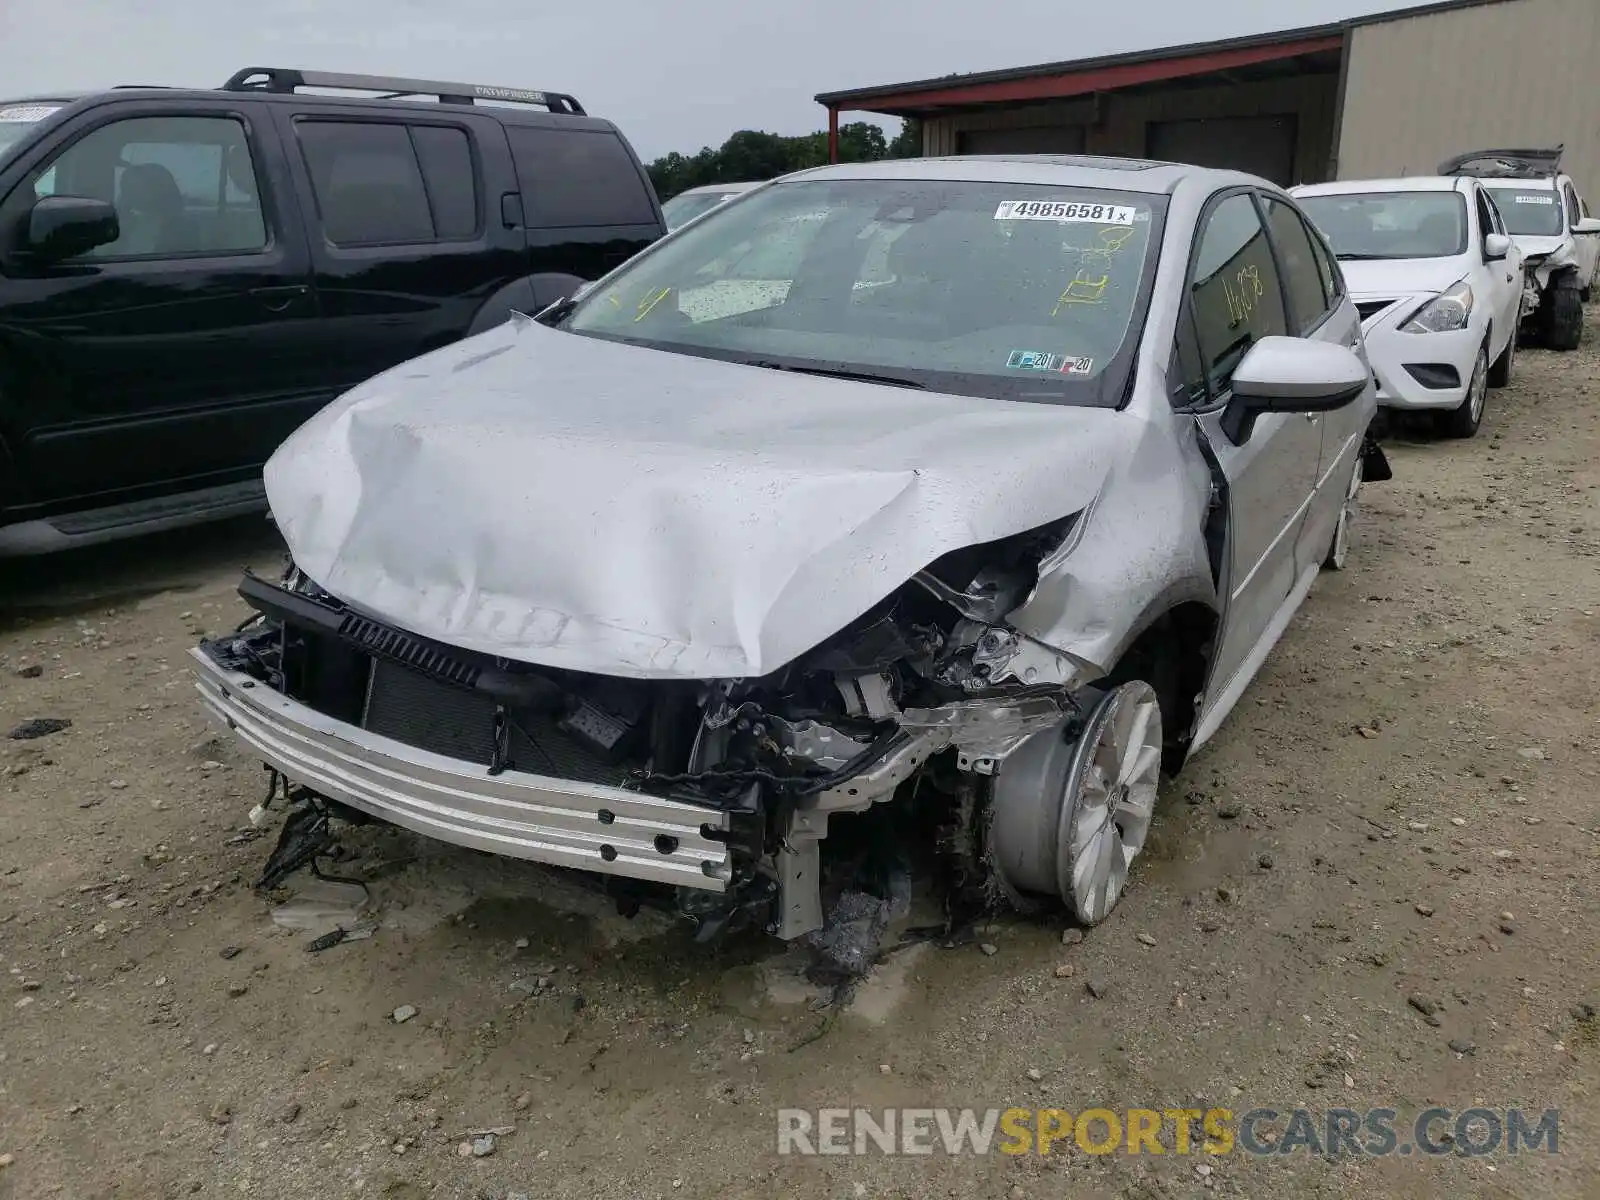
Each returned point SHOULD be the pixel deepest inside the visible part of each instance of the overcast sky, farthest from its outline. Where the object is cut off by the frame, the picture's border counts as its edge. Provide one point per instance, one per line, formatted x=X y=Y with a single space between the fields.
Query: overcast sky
x=674 y=74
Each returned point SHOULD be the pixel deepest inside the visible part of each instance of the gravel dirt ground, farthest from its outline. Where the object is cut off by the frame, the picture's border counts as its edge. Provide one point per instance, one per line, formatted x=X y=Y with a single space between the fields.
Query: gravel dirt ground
x=1402 y=806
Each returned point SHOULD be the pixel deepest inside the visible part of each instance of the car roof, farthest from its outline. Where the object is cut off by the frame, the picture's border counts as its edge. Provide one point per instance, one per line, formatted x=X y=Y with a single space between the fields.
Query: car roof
x=1065 y=170
x=25 y=101
x=1524 y=185
x=1407 y=183
x=719 y=188
x=507 y=113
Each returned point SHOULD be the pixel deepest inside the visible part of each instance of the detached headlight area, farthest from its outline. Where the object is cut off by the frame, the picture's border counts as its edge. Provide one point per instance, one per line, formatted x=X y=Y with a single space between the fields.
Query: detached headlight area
x=1445 y=313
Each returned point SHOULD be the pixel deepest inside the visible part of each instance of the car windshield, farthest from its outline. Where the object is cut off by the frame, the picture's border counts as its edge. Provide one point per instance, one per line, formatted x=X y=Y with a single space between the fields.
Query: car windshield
x=1022 y=292
x=680 y=210
x=1528 y=211
x=17 y=119
x=1390 y=224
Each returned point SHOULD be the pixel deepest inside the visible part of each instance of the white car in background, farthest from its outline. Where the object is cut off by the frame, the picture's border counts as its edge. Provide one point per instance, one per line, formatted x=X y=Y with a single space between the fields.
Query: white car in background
x=697 y=201
x=1438 y=283
x=1551 y=225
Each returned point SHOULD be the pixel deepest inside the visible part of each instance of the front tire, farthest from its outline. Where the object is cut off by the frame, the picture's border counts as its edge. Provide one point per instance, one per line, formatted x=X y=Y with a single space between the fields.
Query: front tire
x=1563 y=309
x=1463 y=420
x=1070 y=816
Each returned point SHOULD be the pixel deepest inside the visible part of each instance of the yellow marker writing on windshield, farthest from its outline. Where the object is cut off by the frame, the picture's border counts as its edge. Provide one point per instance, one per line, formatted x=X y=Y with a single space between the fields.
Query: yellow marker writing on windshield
x=1087 y=288
x=646 y=305
x=1082 y=290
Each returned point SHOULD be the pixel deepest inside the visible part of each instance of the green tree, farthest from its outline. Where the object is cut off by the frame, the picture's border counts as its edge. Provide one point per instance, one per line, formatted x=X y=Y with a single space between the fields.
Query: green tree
x=908 y=142
x=752 y=154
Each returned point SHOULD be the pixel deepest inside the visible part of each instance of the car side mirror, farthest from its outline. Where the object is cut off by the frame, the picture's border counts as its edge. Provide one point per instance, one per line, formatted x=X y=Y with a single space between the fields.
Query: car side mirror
x=1586 y=225
x=1291 y=375
x=1495 y=247
x=63 y=226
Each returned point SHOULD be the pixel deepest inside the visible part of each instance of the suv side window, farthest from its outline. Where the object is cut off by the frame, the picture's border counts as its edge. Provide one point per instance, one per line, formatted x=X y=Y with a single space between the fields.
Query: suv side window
x=1309 y=300
x=1233 y=288
x=386 y=184
x=577 y=177
x=182 y=185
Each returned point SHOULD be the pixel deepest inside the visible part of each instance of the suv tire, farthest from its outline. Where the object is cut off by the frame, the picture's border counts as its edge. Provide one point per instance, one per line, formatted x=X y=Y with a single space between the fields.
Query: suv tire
x=1563 y=314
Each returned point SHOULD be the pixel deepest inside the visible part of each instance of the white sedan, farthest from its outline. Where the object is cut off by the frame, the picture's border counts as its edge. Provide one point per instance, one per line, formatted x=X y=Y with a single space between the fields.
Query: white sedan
x=697 y=201
x=1438 y=284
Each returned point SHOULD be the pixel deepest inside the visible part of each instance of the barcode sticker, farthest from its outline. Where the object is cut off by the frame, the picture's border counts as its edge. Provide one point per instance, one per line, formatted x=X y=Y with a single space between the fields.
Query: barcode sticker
x=1065 y=210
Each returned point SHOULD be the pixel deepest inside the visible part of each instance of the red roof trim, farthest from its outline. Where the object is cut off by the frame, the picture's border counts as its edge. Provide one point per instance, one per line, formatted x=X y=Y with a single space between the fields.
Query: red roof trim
x=1079 y=83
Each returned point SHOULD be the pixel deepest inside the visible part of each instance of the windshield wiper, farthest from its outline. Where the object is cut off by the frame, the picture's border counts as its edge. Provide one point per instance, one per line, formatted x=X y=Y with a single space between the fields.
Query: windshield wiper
x=557 y=312
x=1358 y=257
x=841 y=373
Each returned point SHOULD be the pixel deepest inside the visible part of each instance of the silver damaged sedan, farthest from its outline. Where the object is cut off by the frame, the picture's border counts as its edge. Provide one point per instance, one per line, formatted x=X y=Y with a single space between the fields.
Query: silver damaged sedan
x=974 y=490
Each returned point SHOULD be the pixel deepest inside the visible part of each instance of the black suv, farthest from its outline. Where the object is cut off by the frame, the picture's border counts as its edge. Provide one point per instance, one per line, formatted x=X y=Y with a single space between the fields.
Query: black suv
x=186 y=276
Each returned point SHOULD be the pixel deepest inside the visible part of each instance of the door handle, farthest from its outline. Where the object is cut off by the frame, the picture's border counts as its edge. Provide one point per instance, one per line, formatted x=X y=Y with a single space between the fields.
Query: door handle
x=279 y=299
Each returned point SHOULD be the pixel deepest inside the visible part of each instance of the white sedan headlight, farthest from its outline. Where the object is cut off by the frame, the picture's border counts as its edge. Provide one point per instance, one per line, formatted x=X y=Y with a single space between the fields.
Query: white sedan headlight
x=1446 y=312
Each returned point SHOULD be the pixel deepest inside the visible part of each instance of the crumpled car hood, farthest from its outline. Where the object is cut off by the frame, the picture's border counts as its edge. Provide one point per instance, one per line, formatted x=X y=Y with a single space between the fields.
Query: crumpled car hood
x=572 y=502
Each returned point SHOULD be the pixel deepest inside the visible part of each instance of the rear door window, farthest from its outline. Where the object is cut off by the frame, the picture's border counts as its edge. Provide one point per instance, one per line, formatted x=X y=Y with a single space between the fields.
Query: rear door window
x=1303 y=281
x=385 y=184
x=578 y=177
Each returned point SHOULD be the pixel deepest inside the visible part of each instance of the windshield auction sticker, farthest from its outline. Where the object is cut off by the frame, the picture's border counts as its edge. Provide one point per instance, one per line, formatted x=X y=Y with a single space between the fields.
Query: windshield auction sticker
x=1066 y=211
x=1535 y=199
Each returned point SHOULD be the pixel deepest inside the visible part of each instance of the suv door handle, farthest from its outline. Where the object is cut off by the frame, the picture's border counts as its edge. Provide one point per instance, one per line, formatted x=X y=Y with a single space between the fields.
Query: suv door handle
x=279 y=299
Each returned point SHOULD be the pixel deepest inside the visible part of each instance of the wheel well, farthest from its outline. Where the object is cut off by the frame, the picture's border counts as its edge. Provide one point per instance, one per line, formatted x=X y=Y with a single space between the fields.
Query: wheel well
x=1173 y=655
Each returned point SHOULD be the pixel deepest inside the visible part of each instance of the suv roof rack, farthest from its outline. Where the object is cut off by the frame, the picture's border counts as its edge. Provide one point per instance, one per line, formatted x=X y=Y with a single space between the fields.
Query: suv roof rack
x=1506 y=164
x=285 y=80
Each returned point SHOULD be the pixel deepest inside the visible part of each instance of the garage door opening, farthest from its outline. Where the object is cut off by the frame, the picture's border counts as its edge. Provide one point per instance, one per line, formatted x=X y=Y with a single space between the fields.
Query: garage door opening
x=1263 y=146
x=1035 y=139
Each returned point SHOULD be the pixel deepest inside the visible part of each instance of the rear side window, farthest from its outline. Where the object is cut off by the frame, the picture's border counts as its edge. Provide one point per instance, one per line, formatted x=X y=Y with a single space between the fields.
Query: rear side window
x=446 y=160
x=574 y=177
x=1308 y=297
x=387 y=184
x=1234 y=288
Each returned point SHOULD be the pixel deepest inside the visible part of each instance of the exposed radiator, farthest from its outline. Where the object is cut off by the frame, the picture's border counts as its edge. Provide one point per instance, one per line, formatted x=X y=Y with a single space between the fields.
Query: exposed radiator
x=432 y=715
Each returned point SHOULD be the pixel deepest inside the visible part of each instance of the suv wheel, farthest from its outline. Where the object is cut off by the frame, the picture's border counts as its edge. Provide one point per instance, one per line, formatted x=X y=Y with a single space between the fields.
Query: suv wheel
x=1563 y=314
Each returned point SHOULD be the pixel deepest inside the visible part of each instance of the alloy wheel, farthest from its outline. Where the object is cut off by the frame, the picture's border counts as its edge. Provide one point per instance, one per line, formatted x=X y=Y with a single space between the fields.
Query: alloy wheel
x=1110 y=801
x=1339 y=551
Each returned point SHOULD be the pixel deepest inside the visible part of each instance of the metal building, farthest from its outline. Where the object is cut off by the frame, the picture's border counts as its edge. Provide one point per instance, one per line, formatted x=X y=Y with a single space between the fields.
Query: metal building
x=1389 y=94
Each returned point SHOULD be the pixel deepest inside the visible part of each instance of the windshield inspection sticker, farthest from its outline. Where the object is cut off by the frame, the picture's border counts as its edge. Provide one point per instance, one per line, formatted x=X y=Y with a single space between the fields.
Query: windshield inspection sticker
x=1066 y=210
x=1536 y=199
x=1063 y=364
